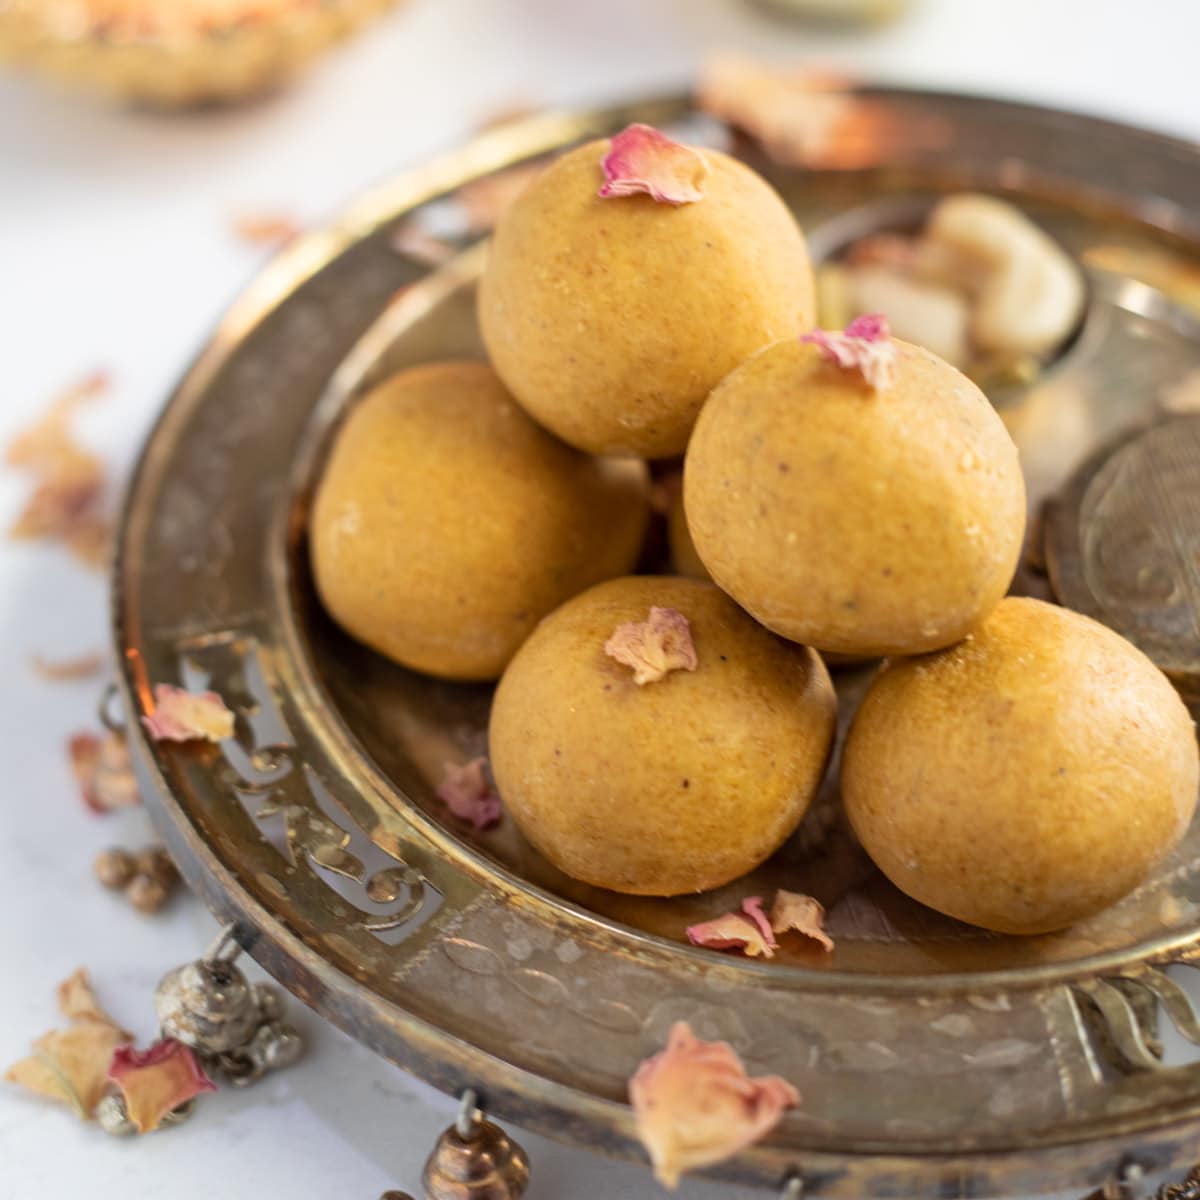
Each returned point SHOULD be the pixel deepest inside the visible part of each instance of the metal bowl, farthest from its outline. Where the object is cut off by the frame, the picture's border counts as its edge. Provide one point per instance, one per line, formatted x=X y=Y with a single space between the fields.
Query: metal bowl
x=931 y=1055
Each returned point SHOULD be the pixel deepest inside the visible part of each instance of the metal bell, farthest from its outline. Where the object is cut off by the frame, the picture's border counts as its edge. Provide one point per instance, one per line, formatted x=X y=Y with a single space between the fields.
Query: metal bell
x=207 y=1005
x=475 y=1160
x=234 y=1026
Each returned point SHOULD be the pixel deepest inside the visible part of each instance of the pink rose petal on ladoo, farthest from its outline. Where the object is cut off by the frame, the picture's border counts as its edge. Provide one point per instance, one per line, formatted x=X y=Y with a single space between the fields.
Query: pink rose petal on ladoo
x=866 y=346
x=182 y=716
x=694 y=1105
x=733 y=931
x=654 y=647
x=803 y=914
x=466 y=791
x=641 y=159
x=156 y=1081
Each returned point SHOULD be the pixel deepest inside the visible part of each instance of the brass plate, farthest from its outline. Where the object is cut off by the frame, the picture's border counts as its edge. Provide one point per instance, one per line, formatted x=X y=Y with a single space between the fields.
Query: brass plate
x=931 y=1056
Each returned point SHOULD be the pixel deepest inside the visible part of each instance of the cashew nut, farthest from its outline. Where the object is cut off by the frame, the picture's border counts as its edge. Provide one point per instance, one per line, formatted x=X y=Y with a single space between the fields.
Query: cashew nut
x=930 y=316
x=1030 y=294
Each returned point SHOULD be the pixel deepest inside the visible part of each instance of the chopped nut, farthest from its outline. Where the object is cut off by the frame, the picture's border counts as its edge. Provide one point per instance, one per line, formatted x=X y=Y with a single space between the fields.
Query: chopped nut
x=654 y=647
x=466 y=791
x=147 y=895
x=155 y=862
x=643 y=159
x=114 y=867
x=695 y=1105
x=865 y=346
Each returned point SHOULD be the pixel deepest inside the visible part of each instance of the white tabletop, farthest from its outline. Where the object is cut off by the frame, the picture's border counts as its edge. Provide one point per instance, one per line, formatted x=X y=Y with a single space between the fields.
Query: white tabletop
x=116 y=251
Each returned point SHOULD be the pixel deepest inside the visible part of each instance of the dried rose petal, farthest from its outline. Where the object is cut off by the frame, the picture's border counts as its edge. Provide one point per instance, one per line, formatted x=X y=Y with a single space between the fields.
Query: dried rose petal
x=64 y=670
x=104 y=771
x=267 y=229
x=70 y=481
x=654 y=647
x=77 y=1001
x=734 y=931
x=182 y=716
x=41 y=446
x=466 y=791
x=694 y=1104
x=866 y=346
x=799 y=115
x=752 y=907
x=803 y=914
x=70 y=1065
x=156 y=1081
x=642 y=159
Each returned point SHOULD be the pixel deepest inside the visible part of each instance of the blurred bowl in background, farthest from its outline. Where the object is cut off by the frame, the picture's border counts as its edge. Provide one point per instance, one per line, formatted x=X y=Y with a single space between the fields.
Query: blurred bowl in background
x=178 y=52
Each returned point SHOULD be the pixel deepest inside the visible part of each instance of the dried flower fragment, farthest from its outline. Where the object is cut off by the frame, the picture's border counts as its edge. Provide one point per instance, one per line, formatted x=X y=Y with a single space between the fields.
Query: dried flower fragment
x=104 y=771
x=654 y=647
x=65 y=670
x=468 y=793
x=71 y=1065
x=865 y=346
x=77 y=1001
x=801 y=117
x=792 y=911
x=69 y=481
x=695 y=1105
x=642 y=159
x=41 y=446
x=748 y=931
x=156 y=1081
x=183 y=716
x=267 y=229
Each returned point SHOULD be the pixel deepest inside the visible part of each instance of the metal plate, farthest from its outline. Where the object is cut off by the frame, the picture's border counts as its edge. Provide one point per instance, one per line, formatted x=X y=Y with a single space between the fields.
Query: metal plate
x=931 y=1056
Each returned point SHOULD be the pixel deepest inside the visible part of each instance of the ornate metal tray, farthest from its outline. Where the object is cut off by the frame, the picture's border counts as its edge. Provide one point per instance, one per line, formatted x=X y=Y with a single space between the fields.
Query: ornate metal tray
x=934 y=1059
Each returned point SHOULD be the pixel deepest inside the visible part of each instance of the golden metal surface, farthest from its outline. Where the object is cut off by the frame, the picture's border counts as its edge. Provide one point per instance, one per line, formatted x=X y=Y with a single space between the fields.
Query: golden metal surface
x=932 y=1056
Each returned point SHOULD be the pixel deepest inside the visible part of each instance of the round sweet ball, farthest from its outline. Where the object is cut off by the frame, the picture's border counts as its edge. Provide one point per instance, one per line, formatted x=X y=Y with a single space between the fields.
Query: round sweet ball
x=1025 y=778
x=612 y=318
x=684 y=558
x=862 y=521
x=447 y=524
x=652 y=739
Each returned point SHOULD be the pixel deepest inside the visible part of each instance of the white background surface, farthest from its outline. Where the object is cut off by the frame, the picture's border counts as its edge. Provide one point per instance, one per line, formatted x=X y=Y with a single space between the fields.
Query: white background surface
x=116 y=250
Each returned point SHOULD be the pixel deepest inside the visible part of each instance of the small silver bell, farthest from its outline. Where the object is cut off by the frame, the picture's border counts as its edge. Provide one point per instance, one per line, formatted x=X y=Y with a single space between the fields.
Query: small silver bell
x=234 y=1026
x=475 y=1160
x=207 y=1005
